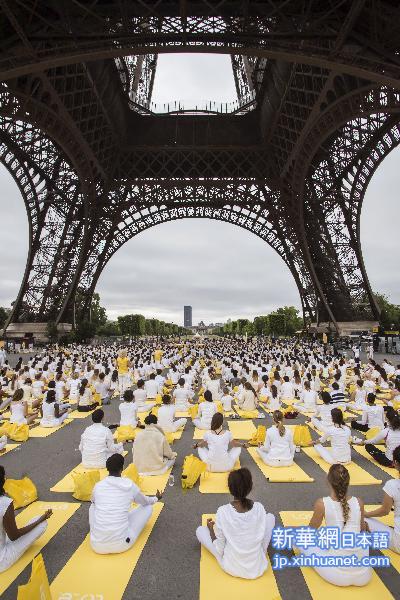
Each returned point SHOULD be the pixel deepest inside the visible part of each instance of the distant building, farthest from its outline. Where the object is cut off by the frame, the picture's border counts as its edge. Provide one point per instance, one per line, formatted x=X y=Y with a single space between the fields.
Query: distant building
x=187 y=316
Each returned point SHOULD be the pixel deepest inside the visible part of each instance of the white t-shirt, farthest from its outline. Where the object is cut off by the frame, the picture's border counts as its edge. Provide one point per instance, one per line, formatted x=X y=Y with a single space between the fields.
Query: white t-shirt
x=5 y=502
x=239 y=540
x=206 y=413
x=392 y=489
x=151 y=387
x=128 y=412
x=112 y=499
x=217 y=446
x=165 y=416
x=340 y=443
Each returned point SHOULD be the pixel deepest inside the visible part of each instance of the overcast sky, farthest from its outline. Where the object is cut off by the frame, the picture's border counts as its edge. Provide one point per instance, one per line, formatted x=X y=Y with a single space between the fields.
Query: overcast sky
x=221 y=270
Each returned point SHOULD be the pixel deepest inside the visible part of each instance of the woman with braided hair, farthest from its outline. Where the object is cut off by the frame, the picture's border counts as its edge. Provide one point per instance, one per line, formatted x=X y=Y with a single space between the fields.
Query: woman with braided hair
x=347 y=514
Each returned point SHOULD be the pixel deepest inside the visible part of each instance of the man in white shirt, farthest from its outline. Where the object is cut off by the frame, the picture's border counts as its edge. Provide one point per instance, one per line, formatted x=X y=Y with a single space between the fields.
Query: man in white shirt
x=114 y=526
x=97 y=443
x=152 y=388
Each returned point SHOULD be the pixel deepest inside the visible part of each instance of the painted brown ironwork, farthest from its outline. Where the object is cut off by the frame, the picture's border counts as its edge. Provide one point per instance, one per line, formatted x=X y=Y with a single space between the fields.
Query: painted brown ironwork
x=318 y=109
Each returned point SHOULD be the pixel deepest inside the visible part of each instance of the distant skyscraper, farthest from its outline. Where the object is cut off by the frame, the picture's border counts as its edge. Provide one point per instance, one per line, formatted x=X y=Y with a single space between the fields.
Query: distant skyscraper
x=187 y=316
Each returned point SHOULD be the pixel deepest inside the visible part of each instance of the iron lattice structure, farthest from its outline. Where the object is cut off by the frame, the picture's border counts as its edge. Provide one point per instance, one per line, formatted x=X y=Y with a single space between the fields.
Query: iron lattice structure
x=318 y=109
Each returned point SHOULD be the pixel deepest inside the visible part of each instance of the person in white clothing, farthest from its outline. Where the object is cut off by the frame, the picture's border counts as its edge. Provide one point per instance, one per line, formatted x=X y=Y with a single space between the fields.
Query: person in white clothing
x=152 y=387
x=372 y=416
x=322 y=419
x=340 y=437
x=114 y=525
x=218 y=449
x=390 y=435
x=359 y=395
x=128 y=410
x=308 y=399
x=166 y=416
x=73 y=385
x=53 y=413
x=14 y=540
x=287 y=390
x=242 y=530
x=206 y=411
x=346 y=513
x=391 y=500
x=19 y=410
x=226 y=400
x=140 y=395
x=182 y=396
x=278 y=449
x=97 y=443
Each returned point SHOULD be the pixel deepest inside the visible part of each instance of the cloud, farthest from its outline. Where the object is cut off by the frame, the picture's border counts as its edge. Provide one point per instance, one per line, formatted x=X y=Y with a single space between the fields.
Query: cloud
x=221 y=270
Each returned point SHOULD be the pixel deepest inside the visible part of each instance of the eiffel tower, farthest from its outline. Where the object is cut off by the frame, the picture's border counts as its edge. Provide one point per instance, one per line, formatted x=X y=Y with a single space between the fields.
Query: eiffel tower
x=96 y=162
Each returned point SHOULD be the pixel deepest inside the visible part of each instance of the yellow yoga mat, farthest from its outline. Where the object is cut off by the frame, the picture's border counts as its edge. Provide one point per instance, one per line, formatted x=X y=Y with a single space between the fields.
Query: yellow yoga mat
x=198 y=434
x=357 y=475
x=246 y=414
x=62 y=511
x=8 y=448
x=105 y=576
x=42 y=432
x=215 y=483
x=387 y=520
x=182 y=413
x=242 y=430
x=75 y=414
x=149 y=484
x=319 y=588
x=292 y=474
x=215 y=583
x=66 y=484
x=362 y=451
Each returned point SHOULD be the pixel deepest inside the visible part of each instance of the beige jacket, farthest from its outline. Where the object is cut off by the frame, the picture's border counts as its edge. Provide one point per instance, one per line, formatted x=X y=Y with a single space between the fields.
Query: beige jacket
x=151 y=450
x=248 y=401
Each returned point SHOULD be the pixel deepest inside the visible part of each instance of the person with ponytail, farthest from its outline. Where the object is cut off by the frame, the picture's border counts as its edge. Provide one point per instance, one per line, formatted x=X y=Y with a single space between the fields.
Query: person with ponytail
x=242 y=530
x=391 y=500
x=390 y=435
x=15 y=541
x=340 y=437
x=248 y=400
x=322 y=419
x=85 y=398
x=20 y=410
x=278 y=449
x=218 y=449
x=207 y=410
x=346 y=513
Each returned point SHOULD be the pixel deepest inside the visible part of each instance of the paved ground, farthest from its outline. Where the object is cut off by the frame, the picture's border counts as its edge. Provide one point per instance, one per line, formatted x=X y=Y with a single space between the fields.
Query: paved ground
x=169 y=565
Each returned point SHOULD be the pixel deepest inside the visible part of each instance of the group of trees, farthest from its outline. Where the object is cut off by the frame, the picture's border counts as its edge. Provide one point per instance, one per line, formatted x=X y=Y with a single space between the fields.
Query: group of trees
x=136 y=325
x=283 y=321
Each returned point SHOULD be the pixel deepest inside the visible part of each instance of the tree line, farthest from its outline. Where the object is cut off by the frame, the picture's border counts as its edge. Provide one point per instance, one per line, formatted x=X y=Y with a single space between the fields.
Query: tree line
x=283 y=321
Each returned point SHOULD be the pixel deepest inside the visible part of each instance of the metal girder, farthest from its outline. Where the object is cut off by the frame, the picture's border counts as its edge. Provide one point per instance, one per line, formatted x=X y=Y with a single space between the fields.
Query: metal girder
x=318 y=109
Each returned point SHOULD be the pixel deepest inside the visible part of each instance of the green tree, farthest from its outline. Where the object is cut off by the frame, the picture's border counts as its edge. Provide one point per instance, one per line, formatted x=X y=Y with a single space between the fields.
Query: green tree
x=261 y=325
x=4 y=312
x=85 y=331
x=390 y=313
x=109 y=328
x=51 y=331
x=98 y=314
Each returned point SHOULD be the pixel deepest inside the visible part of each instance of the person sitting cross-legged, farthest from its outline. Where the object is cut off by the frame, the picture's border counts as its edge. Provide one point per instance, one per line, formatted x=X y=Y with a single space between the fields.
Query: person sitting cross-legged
x=114 y=525
x=242 y=530
x=97 y=443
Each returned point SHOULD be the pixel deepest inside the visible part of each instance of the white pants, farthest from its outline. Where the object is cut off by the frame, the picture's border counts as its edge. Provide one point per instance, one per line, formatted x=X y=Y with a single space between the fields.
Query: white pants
x=326 y=454
x=6 y=402
x=304 y=407
x=200 y=424
x=343 y=576
x=175 y=425
x=274 y=462
x=124 y=382
x=204 y=537
x=137 y=519
x=394 y=540
x=14 y=550
x=170 y=463
x=146 y=407
x=56 y=421
x=225 y=464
